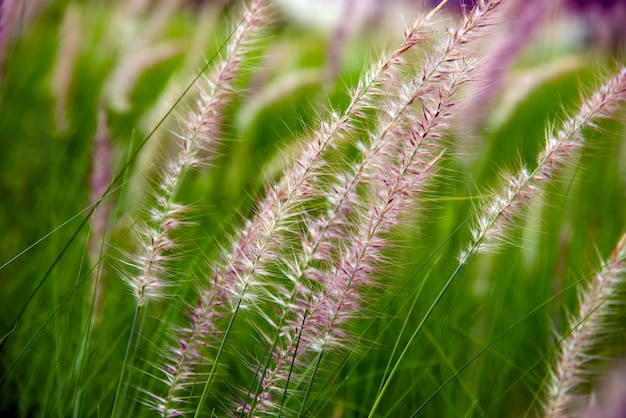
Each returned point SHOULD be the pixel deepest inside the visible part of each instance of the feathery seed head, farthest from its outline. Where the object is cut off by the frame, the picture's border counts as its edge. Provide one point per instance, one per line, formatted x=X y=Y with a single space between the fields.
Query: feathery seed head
x=495 y=217
x=594 y=320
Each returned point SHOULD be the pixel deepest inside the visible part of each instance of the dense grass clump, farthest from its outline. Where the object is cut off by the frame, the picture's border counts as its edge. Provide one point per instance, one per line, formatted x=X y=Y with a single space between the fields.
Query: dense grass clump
x=211 y=210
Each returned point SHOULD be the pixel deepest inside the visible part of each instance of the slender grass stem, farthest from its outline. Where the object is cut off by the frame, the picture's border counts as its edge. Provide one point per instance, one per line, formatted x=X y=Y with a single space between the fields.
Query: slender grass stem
x=209 y=380
x=90 y=209
x=405 y=324
x=310 y=385
x=65 y=300
x=118 y=405
x=293 y=360
x=412 y=338
x=82 y=349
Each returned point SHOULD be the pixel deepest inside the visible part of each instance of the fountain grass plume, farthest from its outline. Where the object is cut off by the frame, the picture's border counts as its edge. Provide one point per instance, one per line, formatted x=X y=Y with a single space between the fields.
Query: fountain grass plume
x=244 y=271
x=397 y=172
x=599 y=301
x=561 y=146
x=198 y=142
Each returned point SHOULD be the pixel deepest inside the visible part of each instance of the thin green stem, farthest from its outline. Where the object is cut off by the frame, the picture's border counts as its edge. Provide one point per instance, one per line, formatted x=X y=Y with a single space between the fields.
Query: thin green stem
x=310 y=385
x=119 y=402
x=47 y=321
x=392 y=301
x=209 y=380
x=413 y=336
x=557 y=295
x=90 y=209
x=293 y=360
x=401 y=333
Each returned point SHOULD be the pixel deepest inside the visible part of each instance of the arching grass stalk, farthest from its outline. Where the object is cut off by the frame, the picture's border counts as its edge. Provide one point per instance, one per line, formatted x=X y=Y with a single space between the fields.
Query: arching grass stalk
x=405 y=325
x=432 y=73
x=331 y=227
x=310 y=385
x=417 y=330
x=396 y=185
x=293 y=360
x=119 y=399
x=293 y=184
x=598 y=302
x=493 y=221
x=391 y=302
x=209 y=379
x=491 y=343
x=197 y=145
x=84 y=346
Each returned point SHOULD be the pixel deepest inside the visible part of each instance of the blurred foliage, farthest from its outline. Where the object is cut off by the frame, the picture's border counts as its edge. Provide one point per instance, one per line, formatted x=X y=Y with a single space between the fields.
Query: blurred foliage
x=63 y=359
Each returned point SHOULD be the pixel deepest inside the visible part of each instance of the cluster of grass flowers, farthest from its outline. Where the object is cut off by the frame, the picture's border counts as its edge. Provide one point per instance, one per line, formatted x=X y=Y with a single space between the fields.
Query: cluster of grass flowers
x=205 y=214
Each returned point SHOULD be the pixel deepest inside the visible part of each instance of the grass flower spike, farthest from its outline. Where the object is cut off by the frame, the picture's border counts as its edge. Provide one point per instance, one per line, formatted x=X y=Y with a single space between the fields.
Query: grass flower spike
x=561 y=145
x=599 y=301
x=197 y=144
x=245 y=272
x=397 y=172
